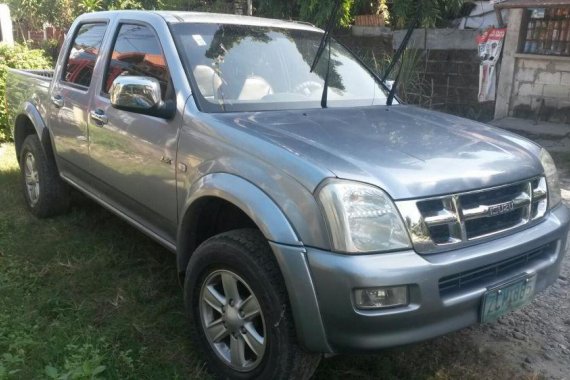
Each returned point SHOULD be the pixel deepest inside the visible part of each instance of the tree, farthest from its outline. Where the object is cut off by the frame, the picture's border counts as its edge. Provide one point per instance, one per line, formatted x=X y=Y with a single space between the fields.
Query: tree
x=314 y=11
x=434 y=13
x=32 y=14
x=91 y=5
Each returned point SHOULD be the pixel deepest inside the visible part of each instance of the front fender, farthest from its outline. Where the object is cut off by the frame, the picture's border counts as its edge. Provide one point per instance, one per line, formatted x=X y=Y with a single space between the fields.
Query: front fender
x=256 y=204
x=284 y=241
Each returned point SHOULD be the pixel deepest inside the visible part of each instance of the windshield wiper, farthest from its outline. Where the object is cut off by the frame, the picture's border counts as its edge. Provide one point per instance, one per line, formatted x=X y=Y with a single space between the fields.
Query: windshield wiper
x=397 y=57
x=326 y=39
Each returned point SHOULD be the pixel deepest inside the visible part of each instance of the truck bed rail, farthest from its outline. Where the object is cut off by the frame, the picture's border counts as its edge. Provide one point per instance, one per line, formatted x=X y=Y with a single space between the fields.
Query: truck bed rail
x=40 y=73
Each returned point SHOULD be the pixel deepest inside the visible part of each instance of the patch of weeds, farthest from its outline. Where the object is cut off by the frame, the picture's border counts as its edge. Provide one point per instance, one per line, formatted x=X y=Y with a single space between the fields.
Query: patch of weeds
x=16 y=340
x=81 y=362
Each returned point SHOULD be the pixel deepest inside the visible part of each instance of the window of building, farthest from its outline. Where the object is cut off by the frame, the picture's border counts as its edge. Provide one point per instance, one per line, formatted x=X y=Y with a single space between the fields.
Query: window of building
x=83 y=54
x=137 y=52
x=547 y=31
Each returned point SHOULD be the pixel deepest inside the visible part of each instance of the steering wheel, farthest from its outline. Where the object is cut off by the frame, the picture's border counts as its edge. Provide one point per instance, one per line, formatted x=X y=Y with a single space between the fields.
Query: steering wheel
x=308 y=87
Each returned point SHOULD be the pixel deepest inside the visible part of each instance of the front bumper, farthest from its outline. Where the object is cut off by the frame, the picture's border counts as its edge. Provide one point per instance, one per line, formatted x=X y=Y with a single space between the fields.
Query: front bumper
x=430 y=313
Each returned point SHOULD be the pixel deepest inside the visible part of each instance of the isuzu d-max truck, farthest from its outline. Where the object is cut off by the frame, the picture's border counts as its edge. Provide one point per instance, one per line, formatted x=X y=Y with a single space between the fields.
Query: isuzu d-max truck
x=309 y=213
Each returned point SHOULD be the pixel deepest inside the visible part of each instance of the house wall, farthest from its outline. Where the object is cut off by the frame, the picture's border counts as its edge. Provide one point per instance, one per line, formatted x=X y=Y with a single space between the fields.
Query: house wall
x=541 y=87
x=532 y=86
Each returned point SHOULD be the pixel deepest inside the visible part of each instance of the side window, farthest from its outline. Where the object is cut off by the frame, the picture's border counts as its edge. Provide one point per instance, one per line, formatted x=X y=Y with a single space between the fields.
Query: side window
x=137 y=52
x=83 y=54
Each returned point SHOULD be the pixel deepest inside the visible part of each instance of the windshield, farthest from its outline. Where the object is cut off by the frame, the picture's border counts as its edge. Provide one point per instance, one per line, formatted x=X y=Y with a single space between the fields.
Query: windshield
x=253 y=68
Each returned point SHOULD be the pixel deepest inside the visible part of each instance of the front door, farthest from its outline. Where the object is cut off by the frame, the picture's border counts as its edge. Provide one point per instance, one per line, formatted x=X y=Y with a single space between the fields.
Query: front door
x=133 y=155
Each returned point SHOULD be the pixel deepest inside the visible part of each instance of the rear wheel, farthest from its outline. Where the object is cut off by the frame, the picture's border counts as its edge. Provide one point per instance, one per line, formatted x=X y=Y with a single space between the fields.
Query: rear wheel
x=45 y=192
x=237 y=301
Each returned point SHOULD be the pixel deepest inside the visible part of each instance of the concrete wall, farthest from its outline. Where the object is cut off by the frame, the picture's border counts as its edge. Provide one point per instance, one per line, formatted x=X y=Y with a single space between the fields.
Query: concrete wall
x=452 y=83
x=450 y=69
x=367 y=41
x=541 y=86
x=449 y=66
x=532 y=86
x=438 y=39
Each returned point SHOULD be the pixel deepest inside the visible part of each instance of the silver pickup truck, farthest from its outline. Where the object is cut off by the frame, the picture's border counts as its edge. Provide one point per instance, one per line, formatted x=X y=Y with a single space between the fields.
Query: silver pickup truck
x=300 y=228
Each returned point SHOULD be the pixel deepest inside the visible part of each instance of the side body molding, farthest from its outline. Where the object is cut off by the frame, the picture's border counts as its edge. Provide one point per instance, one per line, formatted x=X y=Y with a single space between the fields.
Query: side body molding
x=285 y=244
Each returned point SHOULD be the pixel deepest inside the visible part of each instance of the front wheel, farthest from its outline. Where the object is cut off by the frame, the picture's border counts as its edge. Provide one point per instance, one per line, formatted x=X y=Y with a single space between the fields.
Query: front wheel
x=237 y=301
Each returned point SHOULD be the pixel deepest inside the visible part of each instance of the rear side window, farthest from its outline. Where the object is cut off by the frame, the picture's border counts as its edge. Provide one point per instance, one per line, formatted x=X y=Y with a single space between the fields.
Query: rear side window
x=137 y=52
x=83 y=54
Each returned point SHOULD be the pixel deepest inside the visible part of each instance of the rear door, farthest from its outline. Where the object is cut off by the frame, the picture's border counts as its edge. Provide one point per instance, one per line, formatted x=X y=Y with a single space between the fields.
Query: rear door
x=133 y=155
x=70 y=96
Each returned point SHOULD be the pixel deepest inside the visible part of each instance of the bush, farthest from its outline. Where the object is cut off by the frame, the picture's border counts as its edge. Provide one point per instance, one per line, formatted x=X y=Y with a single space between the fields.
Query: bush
x=18 y=57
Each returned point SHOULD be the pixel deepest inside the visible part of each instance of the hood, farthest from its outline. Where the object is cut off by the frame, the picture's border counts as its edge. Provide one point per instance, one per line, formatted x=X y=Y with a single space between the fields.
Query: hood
x=407 y=151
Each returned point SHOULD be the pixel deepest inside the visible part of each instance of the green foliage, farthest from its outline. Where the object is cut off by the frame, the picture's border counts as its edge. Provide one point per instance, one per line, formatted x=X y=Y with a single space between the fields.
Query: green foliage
x=434 y=13
x=81 y=362
x=18 y=57
x=314 y=11
x=32 y=14
x=318 y=11
x=222 y=6
x=91 y=5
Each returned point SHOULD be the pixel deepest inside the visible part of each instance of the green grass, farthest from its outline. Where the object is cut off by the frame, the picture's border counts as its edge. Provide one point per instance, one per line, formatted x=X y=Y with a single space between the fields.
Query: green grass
x=86 y=296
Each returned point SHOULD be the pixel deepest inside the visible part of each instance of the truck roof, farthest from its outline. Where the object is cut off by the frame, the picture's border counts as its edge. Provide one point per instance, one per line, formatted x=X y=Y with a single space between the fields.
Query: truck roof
x=174 y=17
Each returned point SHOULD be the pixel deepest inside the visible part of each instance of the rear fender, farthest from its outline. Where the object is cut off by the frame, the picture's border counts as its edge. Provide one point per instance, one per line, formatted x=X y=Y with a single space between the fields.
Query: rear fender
x=31 y=113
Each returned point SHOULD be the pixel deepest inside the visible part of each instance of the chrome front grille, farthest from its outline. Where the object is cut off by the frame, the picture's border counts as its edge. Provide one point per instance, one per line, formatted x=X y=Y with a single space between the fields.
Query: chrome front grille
x=451 y=221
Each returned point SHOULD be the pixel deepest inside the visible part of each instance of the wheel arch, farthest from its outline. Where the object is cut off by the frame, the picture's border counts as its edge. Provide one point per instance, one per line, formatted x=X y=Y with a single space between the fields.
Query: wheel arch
x=241 y=194
x=285 y=244
x=28 y=122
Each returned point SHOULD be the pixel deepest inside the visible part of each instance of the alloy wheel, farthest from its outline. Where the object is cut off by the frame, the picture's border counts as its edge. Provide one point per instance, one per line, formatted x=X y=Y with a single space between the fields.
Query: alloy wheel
x=232 y=320
x=32 y=178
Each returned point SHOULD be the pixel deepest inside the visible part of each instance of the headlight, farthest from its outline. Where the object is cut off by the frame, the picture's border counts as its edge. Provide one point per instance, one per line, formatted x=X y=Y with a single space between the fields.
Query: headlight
x=552 y=181
x=361 y=218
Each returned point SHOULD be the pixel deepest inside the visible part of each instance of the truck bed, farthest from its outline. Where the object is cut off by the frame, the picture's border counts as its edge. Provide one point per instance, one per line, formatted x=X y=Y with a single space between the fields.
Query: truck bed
x=27 y=86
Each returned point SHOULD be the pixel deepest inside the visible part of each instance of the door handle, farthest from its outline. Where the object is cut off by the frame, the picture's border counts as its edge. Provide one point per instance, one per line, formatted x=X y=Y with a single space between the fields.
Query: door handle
x=57 y=100
x=99 y=116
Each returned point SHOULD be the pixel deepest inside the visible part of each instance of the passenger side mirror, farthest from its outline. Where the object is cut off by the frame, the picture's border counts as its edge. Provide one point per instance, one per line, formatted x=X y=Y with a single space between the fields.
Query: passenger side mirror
x=141 y=95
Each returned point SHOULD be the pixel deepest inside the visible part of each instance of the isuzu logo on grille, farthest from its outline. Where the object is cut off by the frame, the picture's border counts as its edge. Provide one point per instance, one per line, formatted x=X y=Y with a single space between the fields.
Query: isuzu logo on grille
x=502 y=208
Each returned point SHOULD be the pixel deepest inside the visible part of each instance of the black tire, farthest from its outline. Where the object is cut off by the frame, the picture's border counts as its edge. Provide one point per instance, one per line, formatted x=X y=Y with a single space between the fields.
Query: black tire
x=247 y=254
x=52 y=197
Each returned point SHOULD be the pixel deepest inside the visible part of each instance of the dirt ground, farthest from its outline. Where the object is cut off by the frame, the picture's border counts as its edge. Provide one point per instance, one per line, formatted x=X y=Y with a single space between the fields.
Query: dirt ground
x=537 y=337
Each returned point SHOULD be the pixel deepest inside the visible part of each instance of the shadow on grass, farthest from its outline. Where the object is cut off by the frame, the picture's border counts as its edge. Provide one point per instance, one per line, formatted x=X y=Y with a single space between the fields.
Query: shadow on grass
x=86 y=292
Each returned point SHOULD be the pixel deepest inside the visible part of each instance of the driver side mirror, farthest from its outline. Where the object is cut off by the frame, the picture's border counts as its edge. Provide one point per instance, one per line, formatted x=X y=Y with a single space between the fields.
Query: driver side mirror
x=142 y=95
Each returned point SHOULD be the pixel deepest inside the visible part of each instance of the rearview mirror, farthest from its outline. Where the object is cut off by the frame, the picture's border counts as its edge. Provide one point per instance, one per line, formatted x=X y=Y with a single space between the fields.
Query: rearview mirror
x=141 y=95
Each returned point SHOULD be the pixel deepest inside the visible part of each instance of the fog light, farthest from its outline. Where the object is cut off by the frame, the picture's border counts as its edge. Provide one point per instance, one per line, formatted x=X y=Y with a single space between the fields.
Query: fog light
x=377 y=298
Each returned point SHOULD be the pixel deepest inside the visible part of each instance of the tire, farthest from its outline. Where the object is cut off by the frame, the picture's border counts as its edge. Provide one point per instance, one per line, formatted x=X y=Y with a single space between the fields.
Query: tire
x=45 y=192
x=245 y=255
